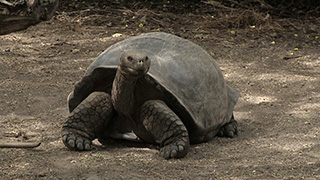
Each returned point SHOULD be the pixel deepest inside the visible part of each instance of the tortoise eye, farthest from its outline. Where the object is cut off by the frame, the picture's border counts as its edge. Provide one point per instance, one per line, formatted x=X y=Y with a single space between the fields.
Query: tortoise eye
x=129 y=58
x=147 y=58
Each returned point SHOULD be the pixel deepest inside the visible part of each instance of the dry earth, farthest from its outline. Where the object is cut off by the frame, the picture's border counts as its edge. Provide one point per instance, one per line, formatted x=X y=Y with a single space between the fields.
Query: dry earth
x=277 y=73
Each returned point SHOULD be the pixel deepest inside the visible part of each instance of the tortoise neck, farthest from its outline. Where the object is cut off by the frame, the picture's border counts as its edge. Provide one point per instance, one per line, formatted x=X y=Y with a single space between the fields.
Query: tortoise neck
x=122 y=93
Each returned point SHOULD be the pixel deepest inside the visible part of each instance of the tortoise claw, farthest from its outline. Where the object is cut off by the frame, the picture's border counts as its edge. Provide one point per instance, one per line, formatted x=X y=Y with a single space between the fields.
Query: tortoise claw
x=76 y=142
x=176 y=149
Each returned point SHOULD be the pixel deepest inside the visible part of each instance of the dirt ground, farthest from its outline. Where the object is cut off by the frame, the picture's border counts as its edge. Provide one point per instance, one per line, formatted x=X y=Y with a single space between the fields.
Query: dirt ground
x=276 y=69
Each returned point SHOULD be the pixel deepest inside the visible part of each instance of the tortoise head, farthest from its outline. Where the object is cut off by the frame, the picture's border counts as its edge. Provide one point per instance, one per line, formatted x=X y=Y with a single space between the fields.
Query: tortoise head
x=134 y=64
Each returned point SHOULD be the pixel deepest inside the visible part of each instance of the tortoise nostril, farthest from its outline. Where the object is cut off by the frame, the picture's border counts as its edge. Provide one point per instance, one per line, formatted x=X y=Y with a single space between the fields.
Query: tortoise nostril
x=141 y=61
x=130 y=58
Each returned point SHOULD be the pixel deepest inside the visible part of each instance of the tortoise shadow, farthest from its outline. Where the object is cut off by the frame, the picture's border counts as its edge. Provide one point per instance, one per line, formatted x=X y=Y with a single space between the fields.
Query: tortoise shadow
x=119 y=143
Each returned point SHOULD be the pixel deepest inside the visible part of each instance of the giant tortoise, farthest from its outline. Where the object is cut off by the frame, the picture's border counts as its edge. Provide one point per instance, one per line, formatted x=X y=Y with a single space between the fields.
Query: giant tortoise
x=156 y=88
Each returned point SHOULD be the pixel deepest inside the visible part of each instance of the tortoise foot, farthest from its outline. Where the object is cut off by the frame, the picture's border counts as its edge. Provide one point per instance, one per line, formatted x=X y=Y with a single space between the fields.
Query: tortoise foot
x=229 y=130
x=74 y=141
x=167 y=129
x=87 y=121
x=176 y=149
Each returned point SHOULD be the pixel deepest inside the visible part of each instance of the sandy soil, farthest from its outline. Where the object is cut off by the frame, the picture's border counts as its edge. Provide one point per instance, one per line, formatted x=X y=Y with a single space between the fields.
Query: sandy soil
x=276 y=71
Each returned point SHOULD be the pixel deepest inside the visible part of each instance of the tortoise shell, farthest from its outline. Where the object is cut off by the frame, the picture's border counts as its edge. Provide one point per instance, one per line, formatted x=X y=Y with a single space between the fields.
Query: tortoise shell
x=190 y=79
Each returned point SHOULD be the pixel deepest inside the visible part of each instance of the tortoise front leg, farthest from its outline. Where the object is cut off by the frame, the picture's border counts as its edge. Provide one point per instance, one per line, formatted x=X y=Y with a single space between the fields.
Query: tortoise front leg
x=87 y=121
x=166 y=128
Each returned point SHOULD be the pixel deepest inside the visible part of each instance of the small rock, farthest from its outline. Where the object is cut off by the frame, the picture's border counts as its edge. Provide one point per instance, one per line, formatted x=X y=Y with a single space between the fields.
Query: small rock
x=7 y=50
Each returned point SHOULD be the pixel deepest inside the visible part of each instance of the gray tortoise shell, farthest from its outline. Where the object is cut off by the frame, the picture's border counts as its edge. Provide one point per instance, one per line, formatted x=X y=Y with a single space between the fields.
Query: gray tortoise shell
x=182 y=68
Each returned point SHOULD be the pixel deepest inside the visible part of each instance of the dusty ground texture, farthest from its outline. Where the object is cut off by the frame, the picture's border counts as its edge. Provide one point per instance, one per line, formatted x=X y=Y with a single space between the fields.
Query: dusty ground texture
x=276 y=69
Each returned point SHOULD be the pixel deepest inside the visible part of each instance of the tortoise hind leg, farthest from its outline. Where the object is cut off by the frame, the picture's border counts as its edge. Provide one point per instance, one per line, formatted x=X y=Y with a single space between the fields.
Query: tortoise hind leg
x=230 y=129
x=166 y=128
x=87 y=121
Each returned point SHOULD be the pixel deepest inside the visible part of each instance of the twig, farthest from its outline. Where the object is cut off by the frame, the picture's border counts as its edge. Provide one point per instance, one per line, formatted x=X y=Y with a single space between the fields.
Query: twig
x=19 y=144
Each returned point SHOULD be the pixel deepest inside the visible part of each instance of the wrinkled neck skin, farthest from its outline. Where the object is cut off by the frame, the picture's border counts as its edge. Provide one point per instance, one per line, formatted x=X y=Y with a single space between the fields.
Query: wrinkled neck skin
x=122 y=93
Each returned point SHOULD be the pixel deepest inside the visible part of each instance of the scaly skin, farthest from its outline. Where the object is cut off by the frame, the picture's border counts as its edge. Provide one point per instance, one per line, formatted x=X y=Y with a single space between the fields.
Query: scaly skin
x=167 y=129
x=87 y=121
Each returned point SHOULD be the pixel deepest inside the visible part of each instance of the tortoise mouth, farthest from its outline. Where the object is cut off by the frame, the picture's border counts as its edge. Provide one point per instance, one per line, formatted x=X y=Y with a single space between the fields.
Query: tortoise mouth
x=132 y=72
